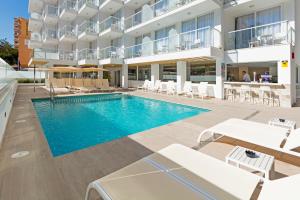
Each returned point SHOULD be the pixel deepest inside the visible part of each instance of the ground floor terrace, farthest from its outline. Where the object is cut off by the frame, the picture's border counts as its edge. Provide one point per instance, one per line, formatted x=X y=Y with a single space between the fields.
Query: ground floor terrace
x=41 y=176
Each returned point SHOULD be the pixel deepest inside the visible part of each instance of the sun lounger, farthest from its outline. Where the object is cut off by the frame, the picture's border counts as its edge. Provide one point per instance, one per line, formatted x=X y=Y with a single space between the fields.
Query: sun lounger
x=253 y=132
x=284 y=188
x=177 y=172
x=156 y=86
x=264 y=135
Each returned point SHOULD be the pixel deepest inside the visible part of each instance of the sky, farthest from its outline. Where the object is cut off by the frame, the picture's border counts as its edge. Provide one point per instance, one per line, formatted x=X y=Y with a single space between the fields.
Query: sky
x=9 y=9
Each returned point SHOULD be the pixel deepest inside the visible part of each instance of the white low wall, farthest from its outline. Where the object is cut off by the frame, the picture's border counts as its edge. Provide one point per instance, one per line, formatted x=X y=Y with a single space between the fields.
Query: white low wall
x=7 y=95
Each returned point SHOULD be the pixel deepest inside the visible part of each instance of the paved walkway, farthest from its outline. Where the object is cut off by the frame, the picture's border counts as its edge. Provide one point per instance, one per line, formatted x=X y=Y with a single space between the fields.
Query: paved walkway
x=40 y=176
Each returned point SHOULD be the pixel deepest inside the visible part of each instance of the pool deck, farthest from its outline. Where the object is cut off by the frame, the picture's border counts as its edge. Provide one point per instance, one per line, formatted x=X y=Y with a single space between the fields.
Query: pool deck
x=39 y=176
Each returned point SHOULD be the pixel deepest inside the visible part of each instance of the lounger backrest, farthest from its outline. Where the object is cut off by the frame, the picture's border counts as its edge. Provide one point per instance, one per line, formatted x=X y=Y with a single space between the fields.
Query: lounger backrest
x=105 y=83
x=78 y=82
x=87 y=82
x=293 y=140
x=187 y=86
x=284 y=188
x=99 y=83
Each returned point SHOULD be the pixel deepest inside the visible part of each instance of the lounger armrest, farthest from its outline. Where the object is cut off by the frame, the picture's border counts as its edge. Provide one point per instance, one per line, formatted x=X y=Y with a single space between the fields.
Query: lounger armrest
x=96 y=185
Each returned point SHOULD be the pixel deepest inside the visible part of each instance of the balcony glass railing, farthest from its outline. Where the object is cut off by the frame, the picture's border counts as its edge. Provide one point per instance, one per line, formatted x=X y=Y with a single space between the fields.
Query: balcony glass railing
x=269 y=34
x=111 y=52
x=66 y=55
x=111 y=22
x=49 y=34
x=45 y=54
x=50 y=10
x=53 y=54
x=36 y=37
x=87 y=54
x=35 y=15
x=67 y=5
x=88 y=27
x=67 y=31
x=151 y=11
x=90 y=3
x=196 y=39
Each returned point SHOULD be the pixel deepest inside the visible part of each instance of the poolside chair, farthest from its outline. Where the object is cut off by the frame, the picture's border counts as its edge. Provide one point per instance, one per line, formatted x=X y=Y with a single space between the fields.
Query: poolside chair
x=171 y=88
x=156 y=86
x=144 y=86
x=105 y=85
x=163 y=87
x=99 y=83
x=201 y=91
x=187 y=89
x=184 y=174
x=284 y=188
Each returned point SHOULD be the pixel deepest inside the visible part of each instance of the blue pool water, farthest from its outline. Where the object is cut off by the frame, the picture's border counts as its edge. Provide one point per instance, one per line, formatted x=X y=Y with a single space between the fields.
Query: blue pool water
x=74 y=123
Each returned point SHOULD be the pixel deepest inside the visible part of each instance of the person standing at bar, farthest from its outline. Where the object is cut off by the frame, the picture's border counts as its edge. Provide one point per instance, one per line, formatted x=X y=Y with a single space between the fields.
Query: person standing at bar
x=246 y=77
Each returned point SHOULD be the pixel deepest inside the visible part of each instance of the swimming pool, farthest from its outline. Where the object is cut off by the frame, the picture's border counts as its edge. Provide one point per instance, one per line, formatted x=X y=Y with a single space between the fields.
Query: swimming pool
x=78 y=122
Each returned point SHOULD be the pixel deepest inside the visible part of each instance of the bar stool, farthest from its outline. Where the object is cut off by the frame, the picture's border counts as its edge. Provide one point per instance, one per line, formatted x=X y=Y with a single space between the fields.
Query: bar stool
x=246 y=93
x=266 y=94
x=229 y=92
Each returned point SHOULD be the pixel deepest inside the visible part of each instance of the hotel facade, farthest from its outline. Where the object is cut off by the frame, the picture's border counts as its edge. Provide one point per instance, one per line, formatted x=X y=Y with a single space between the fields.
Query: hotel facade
x=212 y=41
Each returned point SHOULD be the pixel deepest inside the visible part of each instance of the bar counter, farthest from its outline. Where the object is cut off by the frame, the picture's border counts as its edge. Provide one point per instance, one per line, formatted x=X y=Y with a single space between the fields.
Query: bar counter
x=281 y=92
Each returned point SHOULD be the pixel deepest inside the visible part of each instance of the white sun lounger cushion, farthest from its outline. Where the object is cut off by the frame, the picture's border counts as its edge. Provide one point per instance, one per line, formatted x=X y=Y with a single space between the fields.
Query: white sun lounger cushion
x=284 y=188
x=233 y=180
x=253 y=132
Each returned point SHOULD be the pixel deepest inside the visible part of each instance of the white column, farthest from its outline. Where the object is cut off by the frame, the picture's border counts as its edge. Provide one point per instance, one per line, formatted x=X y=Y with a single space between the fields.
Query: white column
x=125 y=76
x=154 y=72
x=219 y=79
x=181 y=74
x=100 y=73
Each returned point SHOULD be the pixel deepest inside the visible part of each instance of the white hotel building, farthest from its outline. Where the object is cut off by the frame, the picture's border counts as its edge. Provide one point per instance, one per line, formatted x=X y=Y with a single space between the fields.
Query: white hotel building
x=181 y=40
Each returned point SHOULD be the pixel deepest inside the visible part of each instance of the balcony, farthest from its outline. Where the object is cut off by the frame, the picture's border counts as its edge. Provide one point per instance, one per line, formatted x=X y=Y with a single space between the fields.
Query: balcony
x=49 y=36
x=134 y=4
x=87 y=57
x=196 y=43
x=35 y=40
x=68 y=10
x=42 y=56
x=50 y=14
x=67 y=34
x=111 y=28
x=278 y=33
x=88 y=31
x=111 y=55
x=165 y=13
x=88 y=8
x=67 y=55
x=35 y=6
x=35 y=22
x=110 y=6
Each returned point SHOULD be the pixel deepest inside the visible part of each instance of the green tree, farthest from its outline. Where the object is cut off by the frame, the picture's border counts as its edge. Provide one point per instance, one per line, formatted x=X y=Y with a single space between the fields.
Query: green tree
x=8 y=52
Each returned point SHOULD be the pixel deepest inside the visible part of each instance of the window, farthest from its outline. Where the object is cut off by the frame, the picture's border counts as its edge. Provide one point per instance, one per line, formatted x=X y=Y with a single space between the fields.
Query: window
x=144 y=73
x=132 y=74
x=169 y=73
x=266 y=22
x=203 y=73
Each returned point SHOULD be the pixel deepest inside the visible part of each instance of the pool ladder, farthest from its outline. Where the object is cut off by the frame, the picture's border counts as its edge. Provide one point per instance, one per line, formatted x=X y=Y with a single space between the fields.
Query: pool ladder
x=51 y=92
